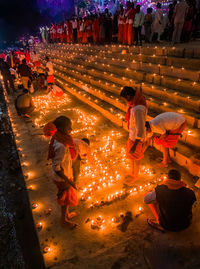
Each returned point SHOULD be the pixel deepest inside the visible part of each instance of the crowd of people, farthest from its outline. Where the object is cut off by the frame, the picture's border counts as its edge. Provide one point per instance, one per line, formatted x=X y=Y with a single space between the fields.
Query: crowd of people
x=129 y=25
x=24 y=69
x=171 y=201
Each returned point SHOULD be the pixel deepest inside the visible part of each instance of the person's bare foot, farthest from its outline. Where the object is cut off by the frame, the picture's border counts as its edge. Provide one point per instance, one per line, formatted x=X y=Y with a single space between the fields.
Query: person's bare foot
x=156 y=225
x=71 y=215
x=68 y=224
x=161 y=165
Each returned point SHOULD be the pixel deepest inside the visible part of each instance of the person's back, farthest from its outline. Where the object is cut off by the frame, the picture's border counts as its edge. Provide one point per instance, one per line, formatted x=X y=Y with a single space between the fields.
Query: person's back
x=175 y=207
x=24 y=101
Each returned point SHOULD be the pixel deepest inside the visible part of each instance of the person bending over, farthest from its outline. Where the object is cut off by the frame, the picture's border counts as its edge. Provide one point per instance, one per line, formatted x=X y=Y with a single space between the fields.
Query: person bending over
x=169 y=127
x=171 y=204
x=24 y=104
x=84 y=152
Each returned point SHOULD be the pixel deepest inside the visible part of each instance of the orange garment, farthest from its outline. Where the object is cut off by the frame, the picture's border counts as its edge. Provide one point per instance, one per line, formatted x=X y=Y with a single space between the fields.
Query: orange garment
x=171 y=138
x=130 y=19
x=139 y=151
x=173 y=184
x=125 y=36
x=65 y=139
x=67 y=196
x=120 y=32
x=96 y=30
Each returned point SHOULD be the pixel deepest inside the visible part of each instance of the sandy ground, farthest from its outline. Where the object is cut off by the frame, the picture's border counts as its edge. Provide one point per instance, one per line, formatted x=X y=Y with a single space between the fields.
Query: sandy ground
x=139 y=246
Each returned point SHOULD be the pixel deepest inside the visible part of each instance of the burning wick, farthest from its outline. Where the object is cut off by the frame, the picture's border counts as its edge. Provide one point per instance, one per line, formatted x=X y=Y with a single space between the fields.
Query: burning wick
x=30 y=187
x=47 y=250
x=39 y=225
x=34 y=206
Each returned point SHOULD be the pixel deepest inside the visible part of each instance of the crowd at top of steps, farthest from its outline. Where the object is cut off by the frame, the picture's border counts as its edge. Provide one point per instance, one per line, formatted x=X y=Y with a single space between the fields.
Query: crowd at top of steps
x=176 y=23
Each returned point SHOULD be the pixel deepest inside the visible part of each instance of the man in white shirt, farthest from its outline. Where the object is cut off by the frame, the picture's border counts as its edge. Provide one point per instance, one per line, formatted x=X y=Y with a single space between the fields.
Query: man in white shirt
x=180 y=13
x=137 y=24
x=84 y=152
x=169 y=127
x=158 y=24
x=50 y=73
x=136 y=117
x=74 y=27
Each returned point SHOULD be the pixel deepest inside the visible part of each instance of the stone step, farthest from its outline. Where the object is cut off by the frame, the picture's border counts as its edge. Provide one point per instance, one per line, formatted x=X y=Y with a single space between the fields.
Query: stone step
x=190 y=136
x=156 y=104
x=131 y=61
x=177 y=57
x=180 y=85
x=181 y=154
x=180 y=98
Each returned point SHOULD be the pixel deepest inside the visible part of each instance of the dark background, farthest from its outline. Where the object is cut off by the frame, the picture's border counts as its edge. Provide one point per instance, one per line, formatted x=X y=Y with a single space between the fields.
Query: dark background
x=21 y=17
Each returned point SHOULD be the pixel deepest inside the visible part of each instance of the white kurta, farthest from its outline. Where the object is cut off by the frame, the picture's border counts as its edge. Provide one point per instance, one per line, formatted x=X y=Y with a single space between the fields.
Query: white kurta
x=49 y=65
x=137 y=128
x=62 y=159
x=82 y=147
x=166 y=121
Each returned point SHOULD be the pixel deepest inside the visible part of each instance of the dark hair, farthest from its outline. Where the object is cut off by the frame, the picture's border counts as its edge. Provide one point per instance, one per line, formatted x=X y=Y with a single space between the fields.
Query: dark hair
x=149 y=10
x=63 y=124
x=158 y=5
x=86 y=140
x=24 y=61
x=128 y=93
x=174 y=174
x=47 y=58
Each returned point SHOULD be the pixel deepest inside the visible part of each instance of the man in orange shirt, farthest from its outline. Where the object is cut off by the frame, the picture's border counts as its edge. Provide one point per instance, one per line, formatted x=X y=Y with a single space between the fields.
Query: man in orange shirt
x=129 y=15
x=95 y=29
x=121 y=24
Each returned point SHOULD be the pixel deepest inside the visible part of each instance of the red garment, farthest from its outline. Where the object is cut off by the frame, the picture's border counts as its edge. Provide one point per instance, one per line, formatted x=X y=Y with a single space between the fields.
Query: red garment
x=3 y=56
x=138 y=99
x=96 y=30
x=171 y=139
x=131 y=17
x=67 y=196
x=139 y=152
x=27 y=57
x=120 y=32
x=50 y=79
x=65 y=139
x=49 y=129
x=70 y=32
x=173 y=184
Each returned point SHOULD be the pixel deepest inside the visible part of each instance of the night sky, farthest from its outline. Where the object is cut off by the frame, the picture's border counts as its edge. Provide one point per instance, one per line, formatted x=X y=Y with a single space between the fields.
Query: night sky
x=18 y=17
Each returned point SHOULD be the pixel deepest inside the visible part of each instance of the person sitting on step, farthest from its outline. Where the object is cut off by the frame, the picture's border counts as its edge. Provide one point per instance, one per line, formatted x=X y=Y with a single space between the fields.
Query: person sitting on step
x=171 y=204
x=169 y=127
